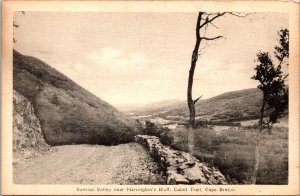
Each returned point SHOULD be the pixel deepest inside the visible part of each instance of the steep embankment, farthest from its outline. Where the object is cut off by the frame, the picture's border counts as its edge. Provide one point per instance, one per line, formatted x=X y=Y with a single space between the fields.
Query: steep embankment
x=235 y=105
x=67 y=112
x=28 y=140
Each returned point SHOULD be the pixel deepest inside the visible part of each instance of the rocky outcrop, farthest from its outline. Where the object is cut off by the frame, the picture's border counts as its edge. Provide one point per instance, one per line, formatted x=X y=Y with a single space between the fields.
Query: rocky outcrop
x=28 y=140
x=180 y=167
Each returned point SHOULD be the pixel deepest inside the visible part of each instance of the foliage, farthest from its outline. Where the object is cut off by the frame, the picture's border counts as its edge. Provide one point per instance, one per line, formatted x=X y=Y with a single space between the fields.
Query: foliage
x=163 y=133
x=282 y=51
x=272 y=80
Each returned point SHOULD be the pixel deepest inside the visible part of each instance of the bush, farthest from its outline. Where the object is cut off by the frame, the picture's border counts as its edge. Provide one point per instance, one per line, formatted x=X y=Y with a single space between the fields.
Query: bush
x=163 y=133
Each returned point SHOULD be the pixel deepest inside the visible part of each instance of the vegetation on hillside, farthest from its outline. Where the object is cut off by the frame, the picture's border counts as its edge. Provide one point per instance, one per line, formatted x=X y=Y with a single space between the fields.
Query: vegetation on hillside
x=227 y=107
x=67 y=112
x=232 y=152
x=163 y=133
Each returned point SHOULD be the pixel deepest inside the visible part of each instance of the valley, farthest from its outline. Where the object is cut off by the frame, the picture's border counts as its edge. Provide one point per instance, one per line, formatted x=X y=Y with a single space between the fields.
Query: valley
x=54 y=143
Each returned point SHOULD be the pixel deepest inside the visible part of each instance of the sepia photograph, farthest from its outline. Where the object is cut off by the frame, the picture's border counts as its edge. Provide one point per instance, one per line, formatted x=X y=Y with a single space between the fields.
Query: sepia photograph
x=151 y=98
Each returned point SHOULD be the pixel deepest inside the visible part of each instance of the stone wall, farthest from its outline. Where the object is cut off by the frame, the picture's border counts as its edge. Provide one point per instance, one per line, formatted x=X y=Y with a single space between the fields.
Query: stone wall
x=180 y=167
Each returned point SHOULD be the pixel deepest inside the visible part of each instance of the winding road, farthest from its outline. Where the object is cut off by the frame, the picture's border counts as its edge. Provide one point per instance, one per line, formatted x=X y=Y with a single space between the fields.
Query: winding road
x=90 y=164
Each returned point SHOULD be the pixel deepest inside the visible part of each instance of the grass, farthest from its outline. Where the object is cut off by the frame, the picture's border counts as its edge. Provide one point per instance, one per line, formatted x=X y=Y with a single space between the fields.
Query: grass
x=68 y=113
x=232 y=152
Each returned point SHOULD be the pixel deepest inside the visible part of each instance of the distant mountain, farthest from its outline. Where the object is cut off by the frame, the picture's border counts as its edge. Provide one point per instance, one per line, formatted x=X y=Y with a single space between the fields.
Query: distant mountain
x=235 y=105
x=150 y=108
x=67 y=112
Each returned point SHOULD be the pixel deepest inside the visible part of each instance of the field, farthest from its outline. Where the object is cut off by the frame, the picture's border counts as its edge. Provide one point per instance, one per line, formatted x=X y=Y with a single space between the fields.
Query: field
x=232 y=152
x=227 y=134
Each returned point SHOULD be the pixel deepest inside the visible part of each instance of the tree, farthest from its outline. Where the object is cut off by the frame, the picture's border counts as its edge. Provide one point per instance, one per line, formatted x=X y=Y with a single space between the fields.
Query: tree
x=15 y=25
x=204 y=21
x=272 y=80
x=272 y=84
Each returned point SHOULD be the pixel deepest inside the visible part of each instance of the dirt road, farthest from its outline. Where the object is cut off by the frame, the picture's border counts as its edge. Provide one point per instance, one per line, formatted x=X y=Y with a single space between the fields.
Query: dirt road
x=90 y=164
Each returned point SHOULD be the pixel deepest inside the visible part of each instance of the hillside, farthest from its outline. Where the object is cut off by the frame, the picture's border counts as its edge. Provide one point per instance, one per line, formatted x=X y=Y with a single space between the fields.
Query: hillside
x=152 y=107
x=68 y=113
x=235 y=105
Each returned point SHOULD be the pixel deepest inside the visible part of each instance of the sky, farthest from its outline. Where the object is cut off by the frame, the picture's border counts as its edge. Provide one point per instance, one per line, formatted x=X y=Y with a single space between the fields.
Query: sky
x=139 y=58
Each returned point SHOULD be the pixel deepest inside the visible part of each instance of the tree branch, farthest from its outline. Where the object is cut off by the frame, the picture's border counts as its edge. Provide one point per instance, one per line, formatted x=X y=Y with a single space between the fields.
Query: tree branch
x=197 y=99
x=214 y=25
x=285 y=76
x=15 y=24
x=212 y=38
x=238 y=14
x=212 y=19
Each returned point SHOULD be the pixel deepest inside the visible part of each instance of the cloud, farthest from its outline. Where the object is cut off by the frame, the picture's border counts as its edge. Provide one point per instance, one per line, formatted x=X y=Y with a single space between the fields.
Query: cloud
x=116 y=60
x=215 y=76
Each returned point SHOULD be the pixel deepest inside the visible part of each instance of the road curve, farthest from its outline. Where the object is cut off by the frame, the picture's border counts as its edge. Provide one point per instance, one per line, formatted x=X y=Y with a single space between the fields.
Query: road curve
x=90 y=164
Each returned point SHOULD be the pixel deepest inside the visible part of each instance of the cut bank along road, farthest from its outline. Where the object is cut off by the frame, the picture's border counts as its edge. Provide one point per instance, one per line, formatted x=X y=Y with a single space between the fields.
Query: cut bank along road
x=90 y=164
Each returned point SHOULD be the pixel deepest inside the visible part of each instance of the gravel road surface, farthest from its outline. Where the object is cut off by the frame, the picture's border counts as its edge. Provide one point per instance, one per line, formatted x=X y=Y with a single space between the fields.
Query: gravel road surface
x=90 y=164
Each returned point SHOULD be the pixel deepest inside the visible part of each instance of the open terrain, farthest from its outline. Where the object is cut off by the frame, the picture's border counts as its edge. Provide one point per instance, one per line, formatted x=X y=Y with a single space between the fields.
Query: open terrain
x=90 y=164
x=232 y=152
x=226 y=135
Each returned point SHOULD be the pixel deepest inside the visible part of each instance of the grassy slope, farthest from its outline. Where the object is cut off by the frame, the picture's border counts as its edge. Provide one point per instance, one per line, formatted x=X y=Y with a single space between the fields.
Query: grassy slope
x=67 y=112
x=152 y=108
x=235 y=105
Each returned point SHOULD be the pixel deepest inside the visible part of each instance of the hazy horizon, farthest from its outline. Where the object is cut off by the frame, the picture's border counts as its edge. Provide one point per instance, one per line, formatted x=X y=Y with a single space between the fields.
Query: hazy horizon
x=140 y=58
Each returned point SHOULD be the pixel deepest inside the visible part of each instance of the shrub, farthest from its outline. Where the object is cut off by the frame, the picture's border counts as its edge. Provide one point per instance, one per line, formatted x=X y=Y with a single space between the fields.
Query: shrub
x=163 y=133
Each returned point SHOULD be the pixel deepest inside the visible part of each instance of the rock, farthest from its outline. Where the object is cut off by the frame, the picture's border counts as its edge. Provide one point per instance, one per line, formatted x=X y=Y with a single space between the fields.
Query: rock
x=190 y=163
x=184 y=166
x=171 y=180
x=179 y=160
x=171 y=161
x=179 y=179
x=28 y=140
x=205 y=169
x=194 y=174
x=217 y=174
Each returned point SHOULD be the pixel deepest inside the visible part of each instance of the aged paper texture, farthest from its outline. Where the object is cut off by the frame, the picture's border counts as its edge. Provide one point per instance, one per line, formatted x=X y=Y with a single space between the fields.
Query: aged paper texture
x=80 y=79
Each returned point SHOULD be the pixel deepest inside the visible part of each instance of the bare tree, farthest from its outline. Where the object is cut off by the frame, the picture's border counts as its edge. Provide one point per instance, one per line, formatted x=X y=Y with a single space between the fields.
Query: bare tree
x=204 y=21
